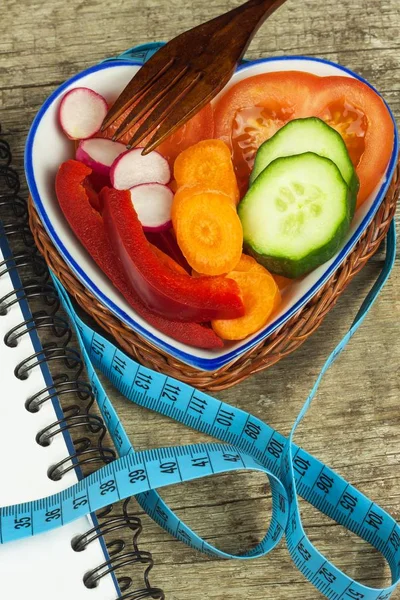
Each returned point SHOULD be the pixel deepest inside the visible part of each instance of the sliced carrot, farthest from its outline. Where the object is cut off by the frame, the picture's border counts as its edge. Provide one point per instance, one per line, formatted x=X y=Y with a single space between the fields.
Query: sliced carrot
x=167 y=260
x=260 y=296
x=183 y=192
x=209 y=233
x=246 y=263
x=186 y=191
x=209 y=164
x=281 y=281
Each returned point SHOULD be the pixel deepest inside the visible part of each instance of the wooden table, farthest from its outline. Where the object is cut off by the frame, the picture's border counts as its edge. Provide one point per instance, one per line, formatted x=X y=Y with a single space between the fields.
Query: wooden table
x=354 y=425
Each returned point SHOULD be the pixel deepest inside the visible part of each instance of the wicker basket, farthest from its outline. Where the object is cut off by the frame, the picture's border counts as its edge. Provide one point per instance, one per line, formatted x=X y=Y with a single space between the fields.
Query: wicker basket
x=282 y=342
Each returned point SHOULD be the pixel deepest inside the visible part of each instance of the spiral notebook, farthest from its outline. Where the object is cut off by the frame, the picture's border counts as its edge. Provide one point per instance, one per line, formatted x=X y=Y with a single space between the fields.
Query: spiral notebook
x=37 y=454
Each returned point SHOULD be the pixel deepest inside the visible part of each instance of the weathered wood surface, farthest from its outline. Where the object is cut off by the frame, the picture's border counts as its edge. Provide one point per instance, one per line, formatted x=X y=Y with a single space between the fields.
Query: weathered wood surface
x=354 y=424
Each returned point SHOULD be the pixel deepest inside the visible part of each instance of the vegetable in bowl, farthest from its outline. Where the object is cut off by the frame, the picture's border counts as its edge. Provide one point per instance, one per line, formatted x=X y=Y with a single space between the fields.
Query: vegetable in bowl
x=309 y=135
x=208 y=169
x=296 y=214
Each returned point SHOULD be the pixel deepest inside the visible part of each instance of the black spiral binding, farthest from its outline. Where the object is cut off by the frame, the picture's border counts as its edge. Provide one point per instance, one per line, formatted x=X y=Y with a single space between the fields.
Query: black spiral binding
x=37 y=285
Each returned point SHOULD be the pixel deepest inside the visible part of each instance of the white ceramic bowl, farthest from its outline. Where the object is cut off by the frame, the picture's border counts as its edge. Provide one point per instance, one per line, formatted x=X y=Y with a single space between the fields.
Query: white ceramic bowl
x=47 y=147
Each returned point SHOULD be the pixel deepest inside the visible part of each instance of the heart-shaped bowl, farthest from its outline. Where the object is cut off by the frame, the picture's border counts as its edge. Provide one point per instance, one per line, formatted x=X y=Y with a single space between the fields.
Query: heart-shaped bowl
x=47 y=147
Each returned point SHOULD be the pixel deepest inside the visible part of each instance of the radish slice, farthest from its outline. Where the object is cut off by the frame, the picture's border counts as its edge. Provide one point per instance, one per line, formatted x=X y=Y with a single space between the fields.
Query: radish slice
x=99 y=154
x=81 y=113
x=152 y=203
x=132 y=169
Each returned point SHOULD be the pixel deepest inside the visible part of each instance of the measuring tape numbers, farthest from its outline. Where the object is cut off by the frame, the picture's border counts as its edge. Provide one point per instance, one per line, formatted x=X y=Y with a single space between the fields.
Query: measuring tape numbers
x=248 y=443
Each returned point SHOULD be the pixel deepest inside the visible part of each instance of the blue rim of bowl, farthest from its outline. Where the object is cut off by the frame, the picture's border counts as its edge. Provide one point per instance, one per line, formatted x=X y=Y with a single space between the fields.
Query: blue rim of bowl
x=206 y=364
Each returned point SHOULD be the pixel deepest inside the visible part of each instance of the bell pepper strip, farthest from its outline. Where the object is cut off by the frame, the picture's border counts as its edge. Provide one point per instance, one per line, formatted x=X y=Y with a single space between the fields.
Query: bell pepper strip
x=172 y=295
x=166 y=242
x=92 y=194
x=88 y=226
x=168 y=261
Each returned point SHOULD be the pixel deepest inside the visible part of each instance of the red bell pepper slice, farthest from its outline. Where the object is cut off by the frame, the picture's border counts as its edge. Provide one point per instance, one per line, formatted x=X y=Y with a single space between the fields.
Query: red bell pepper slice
x=166 y=242
x=88 y=226
x=171 y=294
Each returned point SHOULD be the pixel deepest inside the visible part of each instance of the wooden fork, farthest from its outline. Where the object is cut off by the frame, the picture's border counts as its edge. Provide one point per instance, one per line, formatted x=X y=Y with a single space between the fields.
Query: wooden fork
x=186 y=74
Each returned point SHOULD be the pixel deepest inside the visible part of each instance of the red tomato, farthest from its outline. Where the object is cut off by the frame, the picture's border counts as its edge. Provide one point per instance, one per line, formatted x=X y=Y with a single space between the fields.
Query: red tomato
x=199 y=127
x=361 y=117
x=253 y=110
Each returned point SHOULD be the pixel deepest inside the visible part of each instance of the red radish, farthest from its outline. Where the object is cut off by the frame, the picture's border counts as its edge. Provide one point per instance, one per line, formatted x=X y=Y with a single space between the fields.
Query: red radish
x=132 y=168
x=81 y=113
x=152 y=203
x=99 y=154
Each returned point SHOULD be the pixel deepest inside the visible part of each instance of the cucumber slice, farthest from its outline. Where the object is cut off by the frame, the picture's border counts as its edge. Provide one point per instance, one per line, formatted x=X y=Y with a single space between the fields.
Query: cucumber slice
x=296 y=214
x=308 y=135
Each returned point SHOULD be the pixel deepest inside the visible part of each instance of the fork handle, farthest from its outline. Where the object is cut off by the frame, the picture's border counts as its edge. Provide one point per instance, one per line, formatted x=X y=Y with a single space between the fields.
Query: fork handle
x=264 y=4
x=259 y=9
x=247 y=18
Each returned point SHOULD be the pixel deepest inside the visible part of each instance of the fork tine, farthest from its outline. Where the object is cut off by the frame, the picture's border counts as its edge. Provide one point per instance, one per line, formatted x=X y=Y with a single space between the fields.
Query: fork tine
x=153 y=96
x=139 y=84
x=165 y=106
x=196 y=98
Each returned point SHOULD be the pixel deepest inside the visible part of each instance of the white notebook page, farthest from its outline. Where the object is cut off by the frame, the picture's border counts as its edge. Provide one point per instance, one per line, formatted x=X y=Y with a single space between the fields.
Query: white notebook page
x=43 y=567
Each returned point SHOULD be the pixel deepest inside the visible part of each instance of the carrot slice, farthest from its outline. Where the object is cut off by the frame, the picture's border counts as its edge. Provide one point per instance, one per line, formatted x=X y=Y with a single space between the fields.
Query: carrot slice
x=260 y=296
x=281 y=281
x=209 y=233
x=209 y=164
x=245 y=264
x=187 y=190
x=167 y=260
x=248 y=263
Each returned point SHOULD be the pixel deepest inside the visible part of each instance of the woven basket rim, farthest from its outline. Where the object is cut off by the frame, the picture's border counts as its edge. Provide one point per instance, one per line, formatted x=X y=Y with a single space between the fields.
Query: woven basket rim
x=265 y=353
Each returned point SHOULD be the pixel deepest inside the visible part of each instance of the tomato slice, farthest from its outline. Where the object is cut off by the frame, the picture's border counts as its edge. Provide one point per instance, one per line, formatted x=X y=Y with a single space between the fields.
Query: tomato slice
x=252 y=110
x=198 y=128
x=359 y=114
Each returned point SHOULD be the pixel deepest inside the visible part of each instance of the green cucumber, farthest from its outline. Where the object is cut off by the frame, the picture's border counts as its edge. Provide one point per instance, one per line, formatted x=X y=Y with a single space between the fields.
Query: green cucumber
x=308 y=135
x=296 y=214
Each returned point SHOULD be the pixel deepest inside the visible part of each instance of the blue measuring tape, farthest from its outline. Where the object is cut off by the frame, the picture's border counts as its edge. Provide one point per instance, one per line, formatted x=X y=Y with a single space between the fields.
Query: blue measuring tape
x=248 y=444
